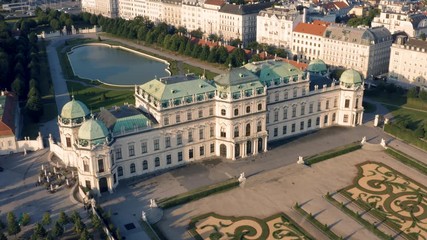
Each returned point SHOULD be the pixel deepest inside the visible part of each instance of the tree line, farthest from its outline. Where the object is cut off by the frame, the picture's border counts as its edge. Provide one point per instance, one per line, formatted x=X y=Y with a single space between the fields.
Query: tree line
x=179 y=39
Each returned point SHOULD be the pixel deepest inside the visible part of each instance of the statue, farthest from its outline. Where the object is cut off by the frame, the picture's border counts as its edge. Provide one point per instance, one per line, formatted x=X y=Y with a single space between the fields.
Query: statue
x=383 y=144
x=153 y=203
x=363 y=140
x=300 y=160
x=242 y=177
x=25 y=152
x=144 y=216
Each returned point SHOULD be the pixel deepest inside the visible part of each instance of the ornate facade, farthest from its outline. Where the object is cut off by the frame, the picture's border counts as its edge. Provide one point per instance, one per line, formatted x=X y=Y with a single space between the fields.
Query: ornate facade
x=180 y=119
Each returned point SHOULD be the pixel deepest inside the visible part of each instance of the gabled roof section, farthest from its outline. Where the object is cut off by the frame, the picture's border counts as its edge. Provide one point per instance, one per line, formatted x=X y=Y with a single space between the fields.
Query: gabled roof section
x=363 y=36
x=341 y=5
x=244 y=9
x=269 y=70
x=170 y=88
x=7 y=114
x=315 y=28
x=215 y=2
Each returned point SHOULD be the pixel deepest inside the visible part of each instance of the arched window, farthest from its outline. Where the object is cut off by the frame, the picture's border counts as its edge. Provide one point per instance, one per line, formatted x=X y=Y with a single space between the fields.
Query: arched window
x=248 y=109
x=157 y=162
x=223 y=112
x=236 y=112
x=120 y=171
x=144 y=165
x=248 y=129
x=259 y=107
x=236 y=131
x=132 y=168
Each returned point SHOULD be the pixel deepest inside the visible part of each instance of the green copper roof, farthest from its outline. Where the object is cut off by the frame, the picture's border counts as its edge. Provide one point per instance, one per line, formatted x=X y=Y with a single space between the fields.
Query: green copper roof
x=74 y=109
x=237 y=80
x=317 y=66
x=167 y=91
x=130 y=123
x=270 y=70
x=351 y=76
x=93 y=129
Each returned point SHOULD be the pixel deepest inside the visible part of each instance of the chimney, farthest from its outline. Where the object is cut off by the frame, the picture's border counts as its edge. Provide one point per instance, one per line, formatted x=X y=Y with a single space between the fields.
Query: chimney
x=304 y=15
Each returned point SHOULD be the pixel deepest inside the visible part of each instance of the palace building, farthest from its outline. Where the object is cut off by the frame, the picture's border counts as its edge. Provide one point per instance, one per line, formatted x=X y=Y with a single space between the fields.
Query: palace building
x=179 y=119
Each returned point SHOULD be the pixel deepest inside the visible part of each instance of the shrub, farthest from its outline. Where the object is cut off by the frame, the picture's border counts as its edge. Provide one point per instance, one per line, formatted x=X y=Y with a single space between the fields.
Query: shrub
x=333 y=153
x=46 y=219
x=25 y=219
x=197 y=193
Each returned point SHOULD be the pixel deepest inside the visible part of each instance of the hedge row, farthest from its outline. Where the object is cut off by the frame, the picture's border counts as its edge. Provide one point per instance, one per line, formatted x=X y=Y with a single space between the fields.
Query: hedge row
x=197 y=193
x=333 y=153
x=406 y=135
x=370 y=226
x=407 y=160
x=149 y=230
x=322 y=227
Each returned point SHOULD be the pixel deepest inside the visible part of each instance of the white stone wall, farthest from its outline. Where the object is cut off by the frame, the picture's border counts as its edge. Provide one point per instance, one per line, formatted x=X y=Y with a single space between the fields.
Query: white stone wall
x=408 y=66
x=307 y=46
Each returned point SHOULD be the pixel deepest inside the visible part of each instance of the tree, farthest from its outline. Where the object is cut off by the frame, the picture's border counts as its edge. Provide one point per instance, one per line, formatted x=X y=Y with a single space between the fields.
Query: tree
x=84 y=235
x=63 y=218
x=213 y=55
x=39 y=231
x=79 y=226
x=93 y=19
x=205 y=53
x=419 y=132
x=55 y=24
x=57 y=230
x=46 y=216
x=25 y=219
x=12 y=224
x=197 y=33
x=75 y=216
x=412 y=93
x=423 y=36
x=2 y=236
x=196 y=51
x=423 y=95
x=188 y=48
x=222 y=54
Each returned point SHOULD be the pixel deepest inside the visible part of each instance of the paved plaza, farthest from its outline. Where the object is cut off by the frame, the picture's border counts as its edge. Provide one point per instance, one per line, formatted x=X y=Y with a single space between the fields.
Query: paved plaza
x=19 y=194
x=133 y=196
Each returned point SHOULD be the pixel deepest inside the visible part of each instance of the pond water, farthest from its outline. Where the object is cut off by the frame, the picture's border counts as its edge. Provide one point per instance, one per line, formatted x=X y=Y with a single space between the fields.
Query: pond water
x=114 y=66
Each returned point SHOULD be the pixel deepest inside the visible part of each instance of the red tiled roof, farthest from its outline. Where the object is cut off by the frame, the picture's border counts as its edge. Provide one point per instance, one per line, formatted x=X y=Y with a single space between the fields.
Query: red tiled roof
x=215 y=2
x=315 y=28
x=299 y=65
x=340 y=5
x=7 y=121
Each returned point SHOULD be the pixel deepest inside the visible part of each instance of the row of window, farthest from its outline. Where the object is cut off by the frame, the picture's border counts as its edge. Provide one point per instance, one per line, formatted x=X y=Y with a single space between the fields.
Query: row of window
x=302 y=125
x=168 y=143
x=168 y=160
x=189 y=116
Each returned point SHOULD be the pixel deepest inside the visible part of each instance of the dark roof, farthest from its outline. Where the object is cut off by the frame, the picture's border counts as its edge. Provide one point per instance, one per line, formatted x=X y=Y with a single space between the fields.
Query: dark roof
x=319 y=81
x=109 y=117
x=416 y=43
x=244 y=9
x=416 y=18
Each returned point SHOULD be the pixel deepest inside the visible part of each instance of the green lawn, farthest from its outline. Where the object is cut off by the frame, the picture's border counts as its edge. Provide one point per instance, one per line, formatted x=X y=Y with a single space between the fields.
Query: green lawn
x=95 y=98
x=415 y=117
x=369 y=108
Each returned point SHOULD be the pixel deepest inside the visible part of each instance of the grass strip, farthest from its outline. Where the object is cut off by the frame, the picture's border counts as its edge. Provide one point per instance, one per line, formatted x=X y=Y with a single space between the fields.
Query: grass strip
x=405 y=135
x=198 y=193
x=407 y=160
x=322 y=227
x=333 y=153
x=371 y=227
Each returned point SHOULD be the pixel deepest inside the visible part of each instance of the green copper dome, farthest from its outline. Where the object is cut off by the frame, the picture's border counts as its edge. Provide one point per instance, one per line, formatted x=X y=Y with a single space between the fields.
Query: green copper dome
x=351 y=76
x=317 y=66
x=74 y=109
x=92 y=129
